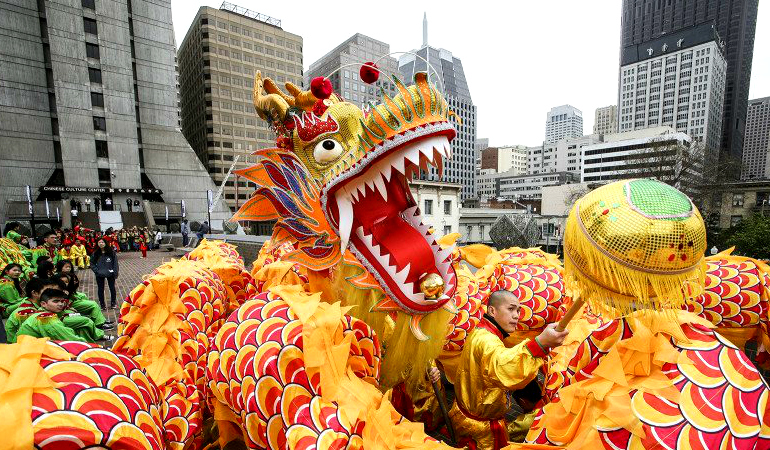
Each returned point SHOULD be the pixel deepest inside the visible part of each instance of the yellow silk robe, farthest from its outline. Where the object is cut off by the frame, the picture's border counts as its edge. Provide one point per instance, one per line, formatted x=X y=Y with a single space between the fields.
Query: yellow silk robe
x=486 y=372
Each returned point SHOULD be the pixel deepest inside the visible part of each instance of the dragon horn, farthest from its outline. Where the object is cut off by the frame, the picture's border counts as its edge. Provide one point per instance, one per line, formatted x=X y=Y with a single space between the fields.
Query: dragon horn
x=271 y=106
x=302 y=99
x=272 y=88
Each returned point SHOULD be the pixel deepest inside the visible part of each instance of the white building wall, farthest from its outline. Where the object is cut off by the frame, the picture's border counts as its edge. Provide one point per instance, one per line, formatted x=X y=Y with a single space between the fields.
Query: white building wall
x=439 y=204
x=563 y=122
x=682 y=89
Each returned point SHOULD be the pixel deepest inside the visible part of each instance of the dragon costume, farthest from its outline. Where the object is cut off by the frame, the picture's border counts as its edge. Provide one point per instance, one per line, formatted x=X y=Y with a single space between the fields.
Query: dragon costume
x=352 y=296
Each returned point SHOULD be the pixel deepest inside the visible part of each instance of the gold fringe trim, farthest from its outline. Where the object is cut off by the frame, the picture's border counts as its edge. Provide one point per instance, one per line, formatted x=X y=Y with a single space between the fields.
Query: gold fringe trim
x=615 y=289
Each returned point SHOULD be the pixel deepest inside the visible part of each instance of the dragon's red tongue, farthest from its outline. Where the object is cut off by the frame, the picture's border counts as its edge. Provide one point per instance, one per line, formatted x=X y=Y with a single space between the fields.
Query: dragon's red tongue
x=405 y=245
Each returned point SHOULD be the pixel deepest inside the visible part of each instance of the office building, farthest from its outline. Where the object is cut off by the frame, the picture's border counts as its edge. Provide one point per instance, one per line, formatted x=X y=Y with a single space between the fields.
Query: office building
x=446 y=71
x=659 y=152
x=342 y=65
x=515 y=186
x=564 y=155
x=505 y=158
x=756 y=147
x=218 y=58
x=439 y=204
x=606 y=120
x=677 y=80
x=89 y=107
x=563 y=122
x=735 y=21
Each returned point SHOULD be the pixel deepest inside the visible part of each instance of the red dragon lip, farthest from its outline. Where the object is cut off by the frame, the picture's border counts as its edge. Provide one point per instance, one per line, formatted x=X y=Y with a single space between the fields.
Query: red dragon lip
x=373 y=209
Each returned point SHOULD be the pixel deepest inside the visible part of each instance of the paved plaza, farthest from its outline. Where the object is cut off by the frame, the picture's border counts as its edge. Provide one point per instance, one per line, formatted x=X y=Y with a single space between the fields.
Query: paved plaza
x=133 y=269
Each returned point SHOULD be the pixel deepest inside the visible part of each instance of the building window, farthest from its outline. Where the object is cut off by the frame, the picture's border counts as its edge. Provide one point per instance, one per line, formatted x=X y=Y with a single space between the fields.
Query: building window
x=735 y=220
x=97 y=99
x=105 y=178
x=738 y=199
x=428 y=207
x=88 y=4
x=447 y=229
x=94 y=75
x=92 y=51
x=447 y=207
x=101 y=149
x=89 y=25
x=100 y=124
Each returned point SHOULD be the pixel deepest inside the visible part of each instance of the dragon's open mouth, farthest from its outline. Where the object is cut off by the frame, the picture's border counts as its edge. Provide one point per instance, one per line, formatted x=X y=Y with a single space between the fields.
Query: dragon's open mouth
x=374 y=211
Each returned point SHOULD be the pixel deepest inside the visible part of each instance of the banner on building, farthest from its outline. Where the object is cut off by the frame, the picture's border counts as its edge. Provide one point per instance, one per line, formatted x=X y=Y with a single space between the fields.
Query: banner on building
x=166 y=213
x=29 y=200
x=184 y=210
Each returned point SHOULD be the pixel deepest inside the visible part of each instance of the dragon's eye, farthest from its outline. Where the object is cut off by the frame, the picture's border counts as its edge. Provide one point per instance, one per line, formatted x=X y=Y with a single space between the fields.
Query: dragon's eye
x=327 y=150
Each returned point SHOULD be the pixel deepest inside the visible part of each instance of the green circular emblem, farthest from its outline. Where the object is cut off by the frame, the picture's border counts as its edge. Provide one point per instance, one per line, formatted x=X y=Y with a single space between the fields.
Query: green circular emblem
x=656 y=200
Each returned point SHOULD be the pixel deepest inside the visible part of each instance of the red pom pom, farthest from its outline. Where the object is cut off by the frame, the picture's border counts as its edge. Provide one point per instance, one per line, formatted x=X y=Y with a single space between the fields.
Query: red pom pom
x=369 y=72
x=289 y=124
x=321 y=87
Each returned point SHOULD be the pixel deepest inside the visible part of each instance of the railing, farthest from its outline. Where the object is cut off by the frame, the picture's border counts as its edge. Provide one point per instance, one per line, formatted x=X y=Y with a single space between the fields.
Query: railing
x=250 y=14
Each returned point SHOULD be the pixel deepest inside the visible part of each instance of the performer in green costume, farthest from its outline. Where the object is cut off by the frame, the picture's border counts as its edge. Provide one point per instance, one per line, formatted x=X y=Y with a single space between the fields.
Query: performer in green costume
x=47 y=321
x=10 y=289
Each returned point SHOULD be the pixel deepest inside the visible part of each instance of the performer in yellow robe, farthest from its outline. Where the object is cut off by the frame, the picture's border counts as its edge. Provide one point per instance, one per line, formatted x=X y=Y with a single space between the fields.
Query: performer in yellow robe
x=488 y=370
x=79 y=256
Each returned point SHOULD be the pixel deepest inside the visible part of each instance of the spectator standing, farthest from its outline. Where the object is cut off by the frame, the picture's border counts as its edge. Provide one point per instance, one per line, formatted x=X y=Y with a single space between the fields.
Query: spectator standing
x=104 y=264
x=185 y=232
x=158 y=238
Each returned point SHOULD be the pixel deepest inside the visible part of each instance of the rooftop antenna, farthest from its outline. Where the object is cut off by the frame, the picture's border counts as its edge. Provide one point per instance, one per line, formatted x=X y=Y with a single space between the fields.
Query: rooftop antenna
x=424 y=29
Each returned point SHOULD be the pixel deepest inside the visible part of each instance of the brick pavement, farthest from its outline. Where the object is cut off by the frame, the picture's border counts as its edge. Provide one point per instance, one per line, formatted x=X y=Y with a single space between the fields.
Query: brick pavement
x=132 y=269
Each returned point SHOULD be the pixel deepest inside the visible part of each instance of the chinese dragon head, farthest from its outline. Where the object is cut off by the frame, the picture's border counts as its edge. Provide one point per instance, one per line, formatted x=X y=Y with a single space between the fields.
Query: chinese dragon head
x=337 y=186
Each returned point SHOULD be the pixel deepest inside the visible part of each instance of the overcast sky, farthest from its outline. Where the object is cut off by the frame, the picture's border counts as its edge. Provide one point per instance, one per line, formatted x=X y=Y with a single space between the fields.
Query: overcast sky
x=520 y=58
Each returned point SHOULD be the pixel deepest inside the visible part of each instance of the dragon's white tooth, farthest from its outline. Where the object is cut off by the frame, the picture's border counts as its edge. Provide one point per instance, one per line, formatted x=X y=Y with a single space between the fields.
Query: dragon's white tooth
x=400 y=277
x=386 y=171
x=414 y=156
x=418 y=298
x=407 y=288
x=398 y=164
x=380 y=183
x=444 y=254
x=354 y=195
x=448 y=150
x=360 y=232
x=345 y=208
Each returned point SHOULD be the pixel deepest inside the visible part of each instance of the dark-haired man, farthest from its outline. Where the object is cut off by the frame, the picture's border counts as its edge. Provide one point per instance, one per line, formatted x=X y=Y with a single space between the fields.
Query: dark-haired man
x=488 y=370
x=51 y=246
x=47 y=321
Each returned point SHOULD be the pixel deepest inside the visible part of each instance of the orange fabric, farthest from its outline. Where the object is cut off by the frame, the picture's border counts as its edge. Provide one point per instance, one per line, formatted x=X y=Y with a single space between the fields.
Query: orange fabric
x=633 y=363
x=21 y=376
x=326 y=353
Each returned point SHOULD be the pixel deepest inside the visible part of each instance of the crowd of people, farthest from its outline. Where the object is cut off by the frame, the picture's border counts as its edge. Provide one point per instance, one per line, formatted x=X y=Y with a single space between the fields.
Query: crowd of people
x=43 y=299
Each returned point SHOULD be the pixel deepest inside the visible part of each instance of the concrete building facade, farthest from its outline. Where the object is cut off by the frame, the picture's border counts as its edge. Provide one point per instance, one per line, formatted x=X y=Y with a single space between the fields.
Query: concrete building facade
x=563 y=122
x=735 y=20
x=89 y=109
x=522 y=187
x=342 y=65
x=756 y=143
x=677 y=80
x=439 y=203
x=730 y=203
x=446 y=71
x=562 y=156
x=653 y=152
x=218 y=59
x=505 y=158
x=606 y=120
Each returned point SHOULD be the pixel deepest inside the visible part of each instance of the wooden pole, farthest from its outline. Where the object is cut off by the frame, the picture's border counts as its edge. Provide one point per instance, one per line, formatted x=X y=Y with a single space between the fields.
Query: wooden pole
x=569 y=315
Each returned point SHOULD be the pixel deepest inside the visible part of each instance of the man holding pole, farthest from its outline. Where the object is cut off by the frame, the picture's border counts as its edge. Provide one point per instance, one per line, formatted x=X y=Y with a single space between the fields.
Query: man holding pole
x=488 y=370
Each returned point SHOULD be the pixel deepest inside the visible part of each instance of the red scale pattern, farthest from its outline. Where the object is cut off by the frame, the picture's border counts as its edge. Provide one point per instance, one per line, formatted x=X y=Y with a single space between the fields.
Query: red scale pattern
x=256 y=371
